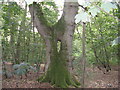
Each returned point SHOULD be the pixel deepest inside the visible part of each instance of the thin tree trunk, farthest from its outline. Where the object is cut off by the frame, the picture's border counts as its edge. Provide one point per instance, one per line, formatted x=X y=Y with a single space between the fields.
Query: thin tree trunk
x=99 y=62
x=106 y=63
x=83 y=53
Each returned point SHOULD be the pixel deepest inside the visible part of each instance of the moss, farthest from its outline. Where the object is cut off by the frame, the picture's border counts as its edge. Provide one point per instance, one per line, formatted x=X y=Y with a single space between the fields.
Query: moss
x=58 y=74
x=59 y=27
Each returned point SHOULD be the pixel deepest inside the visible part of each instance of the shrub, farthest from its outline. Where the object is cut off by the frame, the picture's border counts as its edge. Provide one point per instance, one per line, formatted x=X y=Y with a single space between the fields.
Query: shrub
x=22 y=69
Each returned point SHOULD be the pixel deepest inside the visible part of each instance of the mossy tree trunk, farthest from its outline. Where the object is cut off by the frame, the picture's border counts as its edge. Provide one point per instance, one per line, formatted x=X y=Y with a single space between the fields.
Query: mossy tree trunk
x=58 y=39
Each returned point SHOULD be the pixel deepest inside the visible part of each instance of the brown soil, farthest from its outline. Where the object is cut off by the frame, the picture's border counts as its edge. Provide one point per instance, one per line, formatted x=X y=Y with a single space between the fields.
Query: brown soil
x=97 y=79
x=94 y=79
x=25 y=82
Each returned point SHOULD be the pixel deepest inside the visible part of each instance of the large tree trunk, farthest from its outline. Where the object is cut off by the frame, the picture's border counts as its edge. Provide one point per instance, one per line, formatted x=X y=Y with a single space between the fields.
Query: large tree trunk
x=58 y=69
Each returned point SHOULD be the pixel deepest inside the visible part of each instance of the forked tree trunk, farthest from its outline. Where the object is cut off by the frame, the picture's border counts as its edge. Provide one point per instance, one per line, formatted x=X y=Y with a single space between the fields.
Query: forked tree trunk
x=58 y=69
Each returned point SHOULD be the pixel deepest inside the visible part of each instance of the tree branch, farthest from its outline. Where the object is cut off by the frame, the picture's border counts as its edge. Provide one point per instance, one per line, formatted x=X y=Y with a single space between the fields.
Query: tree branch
x=39 y=19
x=67 y=21
x=69 y=11
x=105 y=12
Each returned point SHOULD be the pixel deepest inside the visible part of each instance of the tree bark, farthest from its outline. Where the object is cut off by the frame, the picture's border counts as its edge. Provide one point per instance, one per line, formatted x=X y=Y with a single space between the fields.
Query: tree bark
x=83 y=53
x=58 y=68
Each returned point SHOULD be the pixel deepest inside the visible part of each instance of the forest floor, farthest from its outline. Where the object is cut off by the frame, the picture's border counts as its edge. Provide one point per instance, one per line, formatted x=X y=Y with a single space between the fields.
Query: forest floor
x=94 y=79
x=97 y=79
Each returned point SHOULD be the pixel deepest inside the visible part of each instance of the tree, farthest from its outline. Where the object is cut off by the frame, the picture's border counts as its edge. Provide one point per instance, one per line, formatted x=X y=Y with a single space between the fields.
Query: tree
x=19 y=42
x=58 y=68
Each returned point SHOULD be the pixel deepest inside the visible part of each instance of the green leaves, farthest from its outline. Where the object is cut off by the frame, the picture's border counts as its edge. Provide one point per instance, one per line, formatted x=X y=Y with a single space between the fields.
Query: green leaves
x=116 y=41
x=8 y=74
x=108 y=6
x=84 y=3
x=22 y=68
x=83 y=17
x=32 y=68
x=20 y=72
x=94 y=11
x=16 y=66
x=50 y=12
x=17 y=36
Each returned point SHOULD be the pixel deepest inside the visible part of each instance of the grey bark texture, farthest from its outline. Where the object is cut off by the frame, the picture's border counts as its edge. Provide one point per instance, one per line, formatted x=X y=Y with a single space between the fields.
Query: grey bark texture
x=69 y=11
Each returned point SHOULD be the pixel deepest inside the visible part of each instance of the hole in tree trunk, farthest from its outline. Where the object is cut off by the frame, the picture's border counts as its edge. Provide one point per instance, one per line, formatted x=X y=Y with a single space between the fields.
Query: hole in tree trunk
x=58 y=46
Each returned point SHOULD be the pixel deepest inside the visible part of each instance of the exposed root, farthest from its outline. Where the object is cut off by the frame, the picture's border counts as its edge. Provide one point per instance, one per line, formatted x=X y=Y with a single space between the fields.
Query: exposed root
x=66 y=82
x=58 y=73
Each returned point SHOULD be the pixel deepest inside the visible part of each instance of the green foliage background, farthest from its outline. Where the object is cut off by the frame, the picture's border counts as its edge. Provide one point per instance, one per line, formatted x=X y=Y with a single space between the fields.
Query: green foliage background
x=21 y=43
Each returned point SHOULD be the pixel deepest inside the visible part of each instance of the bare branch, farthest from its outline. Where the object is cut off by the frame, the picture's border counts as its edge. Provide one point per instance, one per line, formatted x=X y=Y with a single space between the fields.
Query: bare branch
x=85 y=8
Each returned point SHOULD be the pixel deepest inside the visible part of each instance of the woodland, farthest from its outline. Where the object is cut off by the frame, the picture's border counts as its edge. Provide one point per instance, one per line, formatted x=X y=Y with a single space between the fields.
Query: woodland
x=73 y=44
